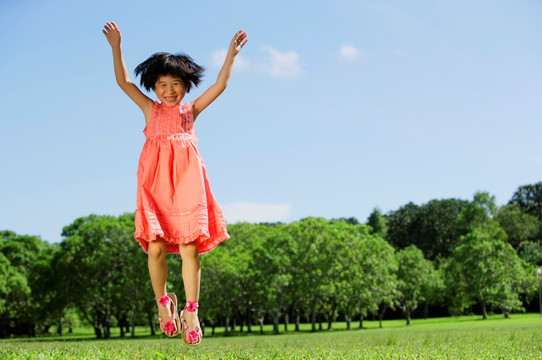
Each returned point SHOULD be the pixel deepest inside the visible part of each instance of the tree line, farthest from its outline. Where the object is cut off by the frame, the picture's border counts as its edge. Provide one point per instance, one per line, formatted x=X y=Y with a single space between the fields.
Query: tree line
x=449 y=255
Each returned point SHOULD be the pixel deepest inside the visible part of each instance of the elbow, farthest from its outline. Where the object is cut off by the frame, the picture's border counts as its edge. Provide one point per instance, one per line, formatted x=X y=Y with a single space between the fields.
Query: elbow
x=123 y=83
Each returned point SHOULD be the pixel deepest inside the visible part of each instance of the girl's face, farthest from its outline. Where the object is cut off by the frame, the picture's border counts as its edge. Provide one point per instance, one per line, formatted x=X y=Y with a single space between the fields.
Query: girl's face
x=169 y=90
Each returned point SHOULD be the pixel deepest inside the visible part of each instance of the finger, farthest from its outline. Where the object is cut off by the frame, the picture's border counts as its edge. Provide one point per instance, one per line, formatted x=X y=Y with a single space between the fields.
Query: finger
x=242 y=36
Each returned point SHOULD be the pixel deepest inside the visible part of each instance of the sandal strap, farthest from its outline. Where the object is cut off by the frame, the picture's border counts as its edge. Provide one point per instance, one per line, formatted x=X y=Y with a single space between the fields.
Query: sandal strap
x=191 y=306
x=164 y=300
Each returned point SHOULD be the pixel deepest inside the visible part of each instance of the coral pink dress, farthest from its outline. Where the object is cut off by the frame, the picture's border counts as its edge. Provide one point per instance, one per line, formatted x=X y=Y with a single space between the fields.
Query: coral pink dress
x=174 y=199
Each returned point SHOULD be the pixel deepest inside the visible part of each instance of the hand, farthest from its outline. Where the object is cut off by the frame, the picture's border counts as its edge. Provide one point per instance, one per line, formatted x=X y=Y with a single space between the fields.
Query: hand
x=238 y=41
x=112 y=33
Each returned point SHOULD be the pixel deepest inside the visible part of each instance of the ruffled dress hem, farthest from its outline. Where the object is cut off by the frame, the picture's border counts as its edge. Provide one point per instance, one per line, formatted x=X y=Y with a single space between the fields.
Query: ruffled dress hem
x=173 y=241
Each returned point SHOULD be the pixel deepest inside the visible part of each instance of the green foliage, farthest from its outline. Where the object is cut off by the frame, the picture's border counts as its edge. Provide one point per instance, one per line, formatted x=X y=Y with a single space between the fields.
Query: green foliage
x=22 y=258
x=531 y=252
x=433 y=227
x=313 y=269
x=415 y=276
x=378 y=223
x=529 y=199
x=484 y=269
x=479 y=213
x=520 y=226
x=101 y=263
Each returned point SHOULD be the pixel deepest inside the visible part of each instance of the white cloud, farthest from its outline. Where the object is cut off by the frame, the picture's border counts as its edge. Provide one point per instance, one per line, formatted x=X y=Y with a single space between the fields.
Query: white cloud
x=218 y=57
x=349 y=52
x=255 y=213
x=274 y=62
x=281 y=63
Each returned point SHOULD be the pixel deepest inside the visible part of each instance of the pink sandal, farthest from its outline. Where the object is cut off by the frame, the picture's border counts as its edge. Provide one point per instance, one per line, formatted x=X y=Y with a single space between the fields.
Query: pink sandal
x=173 y=325
x=190 y=337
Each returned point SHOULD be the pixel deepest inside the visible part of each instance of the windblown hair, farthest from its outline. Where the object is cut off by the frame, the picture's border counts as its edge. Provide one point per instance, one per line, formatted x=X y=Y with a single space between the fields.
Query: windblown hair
x=162 y=63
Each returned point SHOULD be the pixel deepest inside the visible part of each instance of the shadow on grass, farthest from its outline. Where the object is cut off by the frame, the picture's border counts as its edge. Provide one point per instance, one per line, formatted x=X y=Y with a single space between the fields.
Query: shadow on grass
x=370 y=327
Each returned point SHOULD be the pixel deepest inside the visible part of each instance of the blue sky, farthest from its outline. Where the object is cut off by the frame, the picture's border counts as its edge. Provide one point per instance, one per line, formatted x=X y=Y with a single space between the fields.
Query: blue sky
x=334 y=107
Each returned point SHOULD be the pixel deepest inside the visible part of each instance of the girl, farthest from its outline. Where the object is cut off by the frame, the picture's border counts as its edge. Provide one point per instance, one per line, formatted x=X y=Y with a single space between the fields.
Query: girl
x=176 y=211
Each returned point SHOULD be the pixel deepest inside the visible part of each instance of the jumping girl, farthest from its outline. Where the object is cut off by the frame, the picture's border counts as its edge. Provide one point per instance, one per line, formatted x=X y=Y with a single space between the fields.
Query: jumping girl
x=176 y=211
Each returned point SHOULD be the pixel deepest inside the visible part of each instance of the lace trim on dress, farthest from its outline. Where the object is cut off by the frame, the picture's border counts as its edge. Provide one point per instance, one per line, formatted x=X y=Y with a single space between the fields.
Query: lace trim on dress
x=188 y=212
x=180 y=139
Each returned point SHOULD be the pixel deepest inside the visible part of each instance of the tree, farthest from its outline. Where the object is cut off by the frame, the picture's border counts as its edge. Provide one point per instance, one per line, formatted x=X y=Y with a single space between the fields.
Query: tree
x=413 y=276
x=309 y=261
x=26 y=255
x=484 y=269
x=378 y=223
x=220 y=290
x=377 y=277
x=529 y=199
x=14 y=292
x=274 y=263
x=518 y=225
x=479 y=213
x=432 y=227
x=97 y=259
x=531 y=252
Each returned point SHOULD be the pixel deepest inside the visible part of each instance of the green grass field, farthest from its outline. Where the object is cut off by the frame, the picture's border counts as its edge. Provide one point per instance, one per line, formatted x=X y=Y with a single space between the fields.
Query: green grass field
x=519 y=337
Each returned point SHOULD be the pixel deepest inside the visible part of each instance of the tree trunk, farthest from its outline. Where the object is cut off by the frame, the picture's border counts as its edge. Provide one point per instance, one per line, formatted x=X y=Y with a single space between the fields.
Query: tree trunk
x=286 y=319
x=484 y=311
x=320 y=322
x=361 y=322
x=348 y=321
x=260 y=321
x=297 y=320
x=59 y=329
x=226 y=323
x=151 y=323
x=330 y=318
x=313 y=319
x=426 y=310
x=276 y=323
x=134 y=311
x=133 y=323
x=213 y=332
x=98 y=332
x=249 y=320
x=407 y=313
x=121 y=326
x=126 y=323
x=107 y=332
x=381 y=315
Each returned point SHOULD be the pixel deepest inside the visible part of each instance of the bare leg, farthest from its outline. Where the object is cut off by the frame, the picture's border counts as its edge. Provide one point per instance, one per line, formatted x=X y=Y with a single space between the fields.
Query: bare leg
x=191 y=278
x=158 y=273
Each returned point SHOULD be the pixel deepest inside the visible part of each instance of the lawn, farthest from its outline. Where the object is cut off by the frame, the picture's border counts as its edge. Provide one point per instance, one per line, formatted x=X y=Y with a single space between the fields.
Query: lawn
x=519 y=337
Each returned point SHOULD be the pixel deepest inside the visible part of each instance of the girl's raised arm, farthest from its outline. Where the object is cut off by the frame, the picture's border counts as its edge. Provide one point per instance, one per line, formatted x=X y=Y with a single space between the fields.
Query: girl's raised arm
x=112 y=33
x=236 y=44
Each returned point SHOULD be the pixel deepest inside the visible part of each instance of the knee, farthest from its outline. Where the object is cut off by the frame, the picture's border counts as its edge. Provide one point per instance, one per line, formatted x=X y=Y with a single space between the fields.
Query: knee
x=157 y=249
x=189 y=251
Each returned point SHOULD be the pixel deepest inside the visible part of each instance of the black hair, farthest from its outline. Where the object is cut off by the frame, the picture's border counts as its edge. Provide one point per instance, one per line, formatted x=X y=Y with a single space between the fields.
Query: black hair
x=162 y=63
